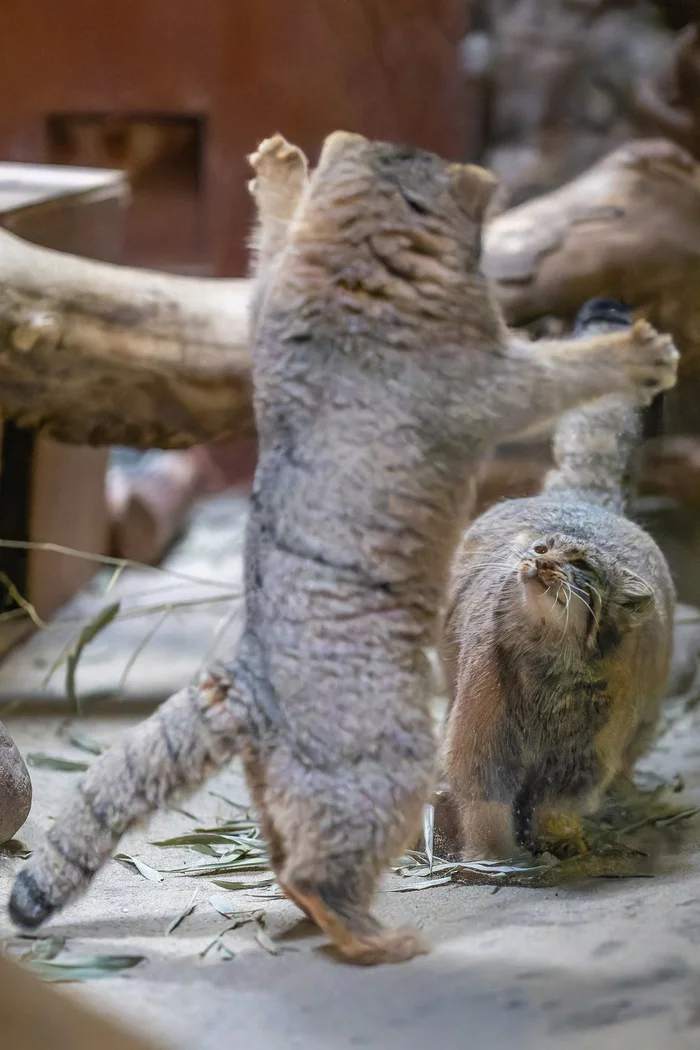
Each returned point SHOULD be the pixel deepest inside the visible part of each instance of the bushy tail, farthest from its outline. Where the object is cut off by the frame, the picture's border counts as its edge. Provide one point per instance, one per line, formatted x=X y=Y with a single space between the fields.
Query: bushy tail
x=176 y=747
x=593 y=445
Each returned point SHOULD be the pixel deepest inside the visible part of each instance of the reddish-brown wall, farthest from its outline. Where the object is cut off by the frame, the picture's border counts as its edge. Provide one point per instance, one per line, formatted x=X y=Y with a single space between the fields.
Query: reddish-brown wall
x=385 y=68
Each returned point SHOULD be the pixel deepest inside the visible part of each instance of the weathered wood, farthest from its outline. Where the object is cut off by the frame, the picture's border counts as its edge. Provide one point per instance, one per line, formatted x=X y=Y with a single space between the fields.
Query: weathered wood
x=100 y=354
x=629 y=228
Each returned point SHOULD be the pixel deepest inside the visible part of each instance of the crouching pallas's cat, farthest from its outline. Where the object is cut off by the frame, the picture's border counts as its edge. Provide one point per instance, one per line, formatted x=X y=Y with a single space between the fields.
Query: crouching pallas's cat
x=558 y=638
x=382 y=372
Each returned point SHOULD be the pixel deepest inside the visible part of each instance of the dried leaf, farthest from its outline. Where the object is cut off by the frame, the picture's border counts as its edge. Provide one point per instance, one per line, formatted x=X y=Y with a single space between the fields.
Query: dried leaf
x=15 y=848
x=240 y=920
x=82 y=967
x=429 y=832
x=197 y=838
x=265 y=941
x=89 y=632
x=41 y=760
x=674 y=818
x=187 y=910
x=222 y=866
x=255 y=884
x=231 y=802
x=48 y=947
x=424 y=884
x=224 y=906
x=83 y=741
x=144 y=869
x=184 y=812
x=28 y=947
x=206 y=851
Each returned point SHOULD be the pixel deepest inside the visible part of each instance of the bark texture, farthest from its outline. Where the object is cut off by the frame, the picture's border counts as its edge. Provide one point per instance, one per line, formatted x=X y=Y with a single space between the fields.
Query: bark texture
x=98 y=354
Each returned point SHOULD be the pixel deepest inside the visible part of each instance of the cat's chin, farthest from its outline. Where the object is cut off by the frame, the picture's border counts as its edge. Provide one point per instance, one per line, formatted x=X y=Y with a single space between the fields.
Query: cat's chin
x=545 y=606
x=540 y=601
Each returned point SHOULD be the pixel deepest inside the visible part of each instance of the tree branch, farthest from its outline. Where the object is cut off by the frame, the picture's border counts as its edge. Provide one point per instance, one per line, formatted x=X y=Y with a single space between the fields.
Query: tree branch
x=99 y=354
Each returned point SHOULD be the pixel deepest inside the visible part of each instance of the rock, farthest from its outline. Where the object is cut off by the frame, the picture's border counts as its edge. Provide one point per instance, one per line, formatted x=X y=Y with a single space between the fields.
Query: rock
x=15 y=788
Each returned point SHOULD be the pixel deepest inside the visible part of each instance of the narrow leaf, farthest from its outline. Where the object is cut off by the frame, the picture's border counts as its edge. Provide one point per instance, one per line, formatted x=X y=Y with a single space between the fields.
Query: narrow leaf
x=41 y=760
x=15 y=848
x=265 y=941
x=83 y=741
x=231 y=802
x=424 y=884
x=82 y=967
x=89 y=632
x=144 y=869
x=197 y=838
x=226 y=884
x=429 y=832
x=224 y=906
x=187 y=910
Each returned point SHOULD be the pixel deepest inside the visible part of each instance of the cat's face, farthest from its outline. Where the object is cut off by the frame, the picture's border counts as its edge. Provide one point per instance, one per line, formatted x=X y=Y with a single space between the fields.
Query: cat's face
x=568 y=596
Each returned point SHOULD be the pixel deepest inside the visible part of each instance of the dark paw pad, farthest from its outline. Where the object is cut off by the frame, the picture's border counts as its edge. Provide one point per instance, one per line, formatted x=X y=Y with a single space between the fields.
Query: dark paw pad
x=28 y=906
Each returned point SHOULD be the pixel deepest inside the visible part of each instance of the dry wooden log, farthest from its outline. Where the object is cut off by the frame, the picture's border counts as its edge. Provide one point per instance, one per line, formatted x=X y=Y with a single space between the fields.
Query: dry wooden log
x=100 y=354
x=629 y=227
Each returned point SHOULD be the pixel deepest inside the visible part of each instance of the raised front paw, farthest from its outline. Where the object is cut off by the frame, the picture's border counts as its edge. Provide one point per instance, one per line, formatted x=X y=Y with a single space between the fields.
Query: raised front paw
x=653 y=363
x=280 y=174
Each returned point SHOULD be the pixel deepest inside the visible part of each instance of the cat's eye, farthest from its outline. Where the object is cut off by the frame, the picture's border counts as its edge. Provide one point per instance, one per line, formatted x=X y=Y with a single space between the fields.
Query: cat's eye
x=540 y=548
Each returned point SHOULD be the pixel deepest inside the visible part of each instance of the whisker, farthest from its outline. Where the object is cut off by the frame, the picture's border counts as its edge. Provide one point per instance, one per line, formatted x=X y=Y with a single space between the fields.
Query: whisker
x=567 y=595
x=579 y=594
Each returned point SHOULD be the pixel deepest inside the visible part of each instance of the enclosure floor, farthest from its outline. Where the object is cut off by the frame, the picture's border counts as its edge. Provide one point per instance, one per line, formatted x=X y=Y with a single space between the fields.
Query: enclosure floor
x=604 y=964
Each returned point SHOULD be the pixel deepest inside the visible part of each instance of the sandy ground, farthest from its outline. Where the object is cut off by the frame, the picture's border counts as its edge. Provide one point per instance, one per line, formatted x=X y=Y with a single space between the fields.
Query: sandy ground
x=607 y=963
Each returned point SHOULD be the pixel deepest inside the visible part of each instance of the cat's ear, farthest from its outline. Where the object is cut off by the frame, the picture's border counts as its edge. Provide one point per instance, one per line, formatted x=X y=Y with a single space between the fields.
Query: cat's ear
x=339 y=144
x=636 y=598
x=472 y=187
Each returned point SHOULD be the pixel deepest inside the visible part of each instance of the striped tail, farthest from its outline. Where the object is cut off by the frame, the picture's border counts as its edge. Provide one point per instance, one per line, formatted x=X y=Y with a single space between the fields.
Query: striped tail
x=593 y=445
x=194 y=731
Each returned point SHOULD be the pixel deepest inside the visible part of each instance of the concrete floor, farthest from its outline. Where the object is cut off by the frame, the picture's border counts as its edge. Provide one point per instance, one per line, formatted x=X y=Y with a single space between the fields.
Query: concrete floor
x=607 y=963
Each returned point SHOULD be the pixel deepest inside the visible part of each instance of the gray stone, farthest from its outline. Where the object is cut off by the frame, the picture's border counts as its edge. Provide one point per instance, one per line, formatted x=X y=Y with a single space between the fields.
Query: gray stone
x=15 y=788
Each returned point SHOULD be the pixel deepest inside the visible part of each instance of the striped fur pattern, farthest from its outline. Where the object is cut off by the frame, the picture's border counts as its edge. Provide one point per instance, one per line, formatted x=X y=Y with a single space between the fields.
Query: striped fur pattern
x=559 y=635
x=382 y=370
